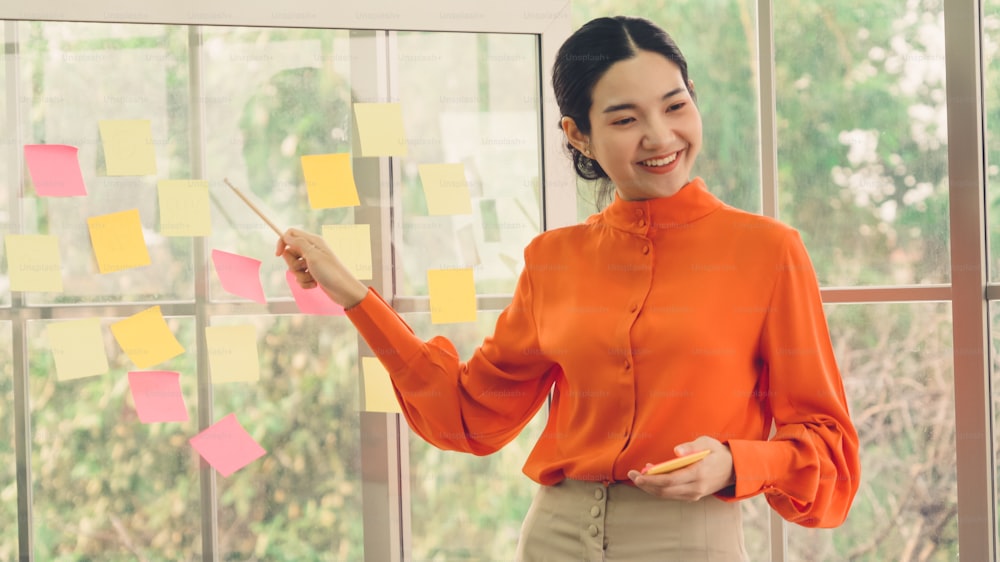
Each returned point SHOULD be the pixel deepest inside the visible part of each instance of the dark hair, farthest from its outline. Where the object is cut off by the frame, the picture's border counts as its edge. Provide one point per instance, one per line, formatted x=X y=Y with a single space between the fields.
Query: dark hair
x=584 y=58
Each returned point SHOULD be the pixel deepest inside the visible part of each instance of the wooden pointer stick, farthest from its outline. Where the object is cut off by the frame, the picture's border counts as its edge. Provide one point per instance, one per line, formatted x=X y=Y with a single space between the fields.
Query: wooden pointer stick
x=253 y=207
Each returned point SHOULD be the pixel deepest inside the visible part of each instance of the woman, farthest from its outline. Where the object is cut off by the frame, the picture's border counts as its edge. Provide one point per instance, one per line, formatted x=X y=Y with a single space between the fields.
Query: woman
x=668 y=323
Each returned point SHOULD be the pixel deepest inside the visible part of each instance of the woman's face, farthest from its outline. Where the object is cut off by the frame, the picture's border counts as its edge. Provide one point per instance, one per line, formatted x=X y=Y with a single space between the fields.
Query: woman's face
x=645 y=127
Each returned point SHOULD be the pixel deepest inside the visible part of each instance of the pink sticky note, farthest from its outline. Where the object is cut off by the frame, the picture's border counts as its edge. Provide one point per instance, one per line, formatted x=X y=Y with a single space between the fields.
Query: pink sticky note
x=239 y=275
x=312 y=301
x=55 y=170
x=157 y=396
x=227 y=446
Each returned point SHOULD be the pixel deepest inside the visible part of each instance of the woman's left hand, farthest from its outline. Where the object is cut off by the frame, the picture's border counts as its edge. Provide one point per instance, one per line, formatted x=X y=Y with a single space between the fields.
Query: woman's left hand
x=694 y=481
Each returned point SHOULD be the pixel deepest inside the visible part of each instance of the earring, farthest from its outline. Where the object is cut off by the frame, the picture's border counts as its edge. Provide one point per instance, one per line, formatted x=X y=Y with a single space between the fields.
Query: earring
x=586 y=152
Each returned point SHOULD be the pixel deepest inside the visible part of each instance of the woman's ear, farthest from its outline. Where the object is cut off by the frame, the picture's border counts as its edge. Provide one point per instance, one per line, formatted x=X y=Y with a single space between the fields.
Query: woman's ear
x=576 y=138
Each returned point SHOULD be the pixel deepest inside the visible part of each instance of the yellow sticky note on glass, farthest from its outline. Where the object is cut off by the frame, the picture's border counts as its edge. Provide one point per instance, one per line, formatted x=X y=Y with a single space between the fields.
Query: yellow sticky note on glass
x=184 y=208
x=446 y=189
x=379 y=396
x=352 y=243
x=232 y=353
x=33 y=263
x=146 y=338
x=330 y=181
x=380 y=129
x=453 y=295
x=128 y=147
x=78 y=348
x=118 y=241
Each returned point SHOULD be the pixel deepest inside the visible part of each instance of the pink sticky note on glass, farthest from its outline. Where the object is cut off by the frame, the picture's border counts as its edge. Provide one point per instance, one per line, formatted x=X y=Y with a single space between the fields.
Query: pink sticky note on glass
x=157 y=396
x=227 y=446
x=312 y=301
x=239 y=275
x=55 y=170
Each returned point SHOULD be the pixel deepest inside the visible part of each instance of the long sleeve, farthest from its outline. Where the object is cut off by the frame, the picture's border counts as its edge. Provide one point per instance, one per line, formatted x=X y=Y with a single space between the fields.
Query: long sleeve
x=475 y=407
x=809 y=469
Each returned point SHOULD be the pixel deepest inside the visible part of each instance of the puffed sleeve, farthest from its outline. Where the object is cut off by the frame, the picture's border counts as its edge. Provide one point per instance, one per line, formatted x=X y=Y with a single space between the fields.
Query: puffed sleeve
x=474 y=407
x=809 y=468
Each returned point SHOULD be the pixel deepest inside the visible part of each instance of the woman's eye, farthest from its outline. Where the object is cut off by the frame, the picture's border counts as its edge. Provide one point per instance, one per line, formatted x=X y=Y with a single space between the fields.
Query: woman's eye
x=623 y=121
x=676 y=106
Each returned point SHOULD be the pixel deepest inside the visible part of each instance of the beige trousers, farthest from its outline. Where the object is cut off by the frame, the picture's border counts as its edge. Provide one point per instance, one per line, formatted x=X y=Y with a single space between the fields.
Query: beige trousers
x=590 y=522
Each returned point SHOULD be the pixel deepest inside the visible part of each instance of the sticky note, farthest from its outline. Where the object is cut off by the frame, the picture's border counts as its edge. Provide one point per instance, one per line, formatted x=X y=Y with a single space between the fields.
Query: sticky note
x=33 y=263
x=128 y=147
x=446 y=189
x=184 y=208
x=78 y=348
x=146 y=338
x=379 y=395
x=312 y=301
x=54 y=170
x=352 y=244
x=380 y=129
x=239 y=275
x=226 y=446
x=232 y=353
x=452 y=295
x=157 y=396
x=330 y=181
x=118 y=241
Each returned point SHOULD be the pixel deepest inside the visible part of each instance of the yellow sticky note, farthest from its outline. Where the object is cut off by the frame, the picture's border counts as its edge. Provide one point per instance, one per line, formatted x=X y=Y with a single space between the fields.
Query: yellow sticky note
x=128 y=147
x=352 y=243
x=446 y=189
x=379 y=395
x=33 y=263
x=453 y=295
x=184 y=208
x=232 y=353
x=330 y=181
x=380 y=129
x=146 y=338
x=118 y=241
x=78 y=348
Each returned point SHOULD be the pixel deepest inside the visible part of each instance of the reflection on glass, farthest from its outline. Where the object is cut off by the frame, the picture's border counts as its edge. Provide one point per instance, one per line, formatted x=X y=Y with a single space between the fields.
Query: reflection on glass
x=995 y=399
x=485 y=117
x=106 y=486
x=75 y=75
x=896 y=360
x=301 y=500
x=991 y=101
x=862 y=139
x=464 y=506
x=271 y=97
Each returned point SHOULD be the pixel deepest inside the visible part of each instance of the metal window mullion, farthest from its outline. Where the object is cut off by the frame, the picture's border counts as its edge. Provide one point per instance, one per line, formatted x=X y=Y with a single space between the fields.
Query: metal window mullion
x=970 y=326
x=207 y=479
x=769 y=185
x=20 y=370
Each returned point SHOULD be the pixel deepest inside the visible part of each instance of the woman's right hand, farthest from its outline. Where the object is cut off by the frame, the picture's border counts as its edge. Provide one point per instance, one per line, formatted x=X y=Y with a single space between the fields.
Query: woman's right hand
x=314 y=263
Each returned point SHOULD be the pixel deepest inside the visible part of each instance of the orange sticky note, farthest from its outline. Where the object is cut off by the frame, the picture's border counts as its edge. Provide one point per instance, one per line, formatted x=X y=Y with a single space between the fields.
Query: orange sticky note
x=55 y=170
x=157 y=396
x=380 y=129
x=446 y=189
x=184 y=208
x=352 y=243
x=226 y=446
x=128 y=147
x=146 y=338
x=118 y=241
x=452 y=295
x=379 y=395
x=232 y=353
x=330 y=181
x=33 y=263
x=77 y=348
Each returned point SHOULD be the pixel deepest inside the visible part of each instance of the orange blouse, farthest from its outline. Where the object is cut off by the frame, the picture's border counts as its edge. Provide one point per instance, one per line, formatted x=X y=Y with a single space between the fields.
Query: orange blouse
x=651 y=324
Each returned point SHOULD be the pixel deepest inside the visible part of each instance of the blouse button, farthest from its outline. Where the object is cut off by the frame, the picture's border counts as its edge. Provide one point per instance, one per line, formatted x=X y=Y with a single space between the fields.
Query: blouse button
x=627 y=365
x=645 y=250
x=642 y=222
x=598 y=494
x=592 y=530
x=595 y=511
x=638 y=212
